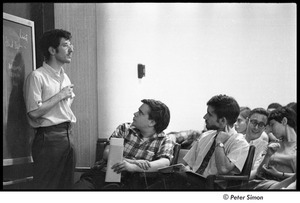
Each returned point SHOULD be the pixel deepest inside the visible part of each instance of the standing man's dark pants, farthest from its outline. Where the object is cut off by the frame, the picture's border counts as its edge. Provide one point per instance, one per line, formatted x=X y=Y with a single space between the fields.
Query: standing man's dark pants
x=54 y=157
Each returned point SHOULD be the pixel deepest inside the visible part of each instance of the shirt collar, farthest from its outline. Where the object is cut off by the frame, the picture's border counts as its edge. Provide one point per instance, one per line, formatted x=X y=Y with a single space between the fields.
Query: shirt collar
x=52 y=71
x=138 y=132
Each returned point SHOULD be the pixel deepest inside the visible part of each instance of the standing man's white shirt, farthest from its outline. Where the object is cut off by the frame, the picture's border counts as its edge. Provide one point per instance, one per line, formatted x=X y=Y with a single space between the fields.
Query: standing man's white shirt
x=43 y=85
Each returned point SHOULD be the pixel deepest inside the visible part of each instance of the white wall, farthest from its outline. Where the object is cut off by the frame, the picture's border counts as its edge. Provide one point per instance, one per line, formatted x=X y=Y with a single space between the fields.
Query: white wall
x=191 y=53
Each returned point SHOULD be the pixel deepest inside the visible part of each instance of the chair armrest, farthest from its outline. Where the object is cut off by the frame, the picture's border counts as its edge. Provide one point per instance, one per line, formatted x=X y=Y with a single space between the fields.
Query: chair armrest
x=212 y=181
x=231 y=177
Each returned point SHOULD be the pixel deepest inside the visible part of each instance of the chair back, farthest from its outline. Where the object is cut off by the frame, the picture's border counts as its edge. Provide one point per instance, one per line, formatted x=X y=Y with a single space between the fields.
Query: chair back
x=100 y=149
x=176 y=151
x=245 y=174
x=249 y=161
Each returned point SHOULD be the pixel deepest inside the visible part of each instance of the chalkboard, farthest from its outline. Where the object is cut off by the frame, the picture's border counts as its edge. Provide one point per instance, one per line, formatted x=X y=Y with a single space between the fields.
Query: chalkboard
x=18 y=62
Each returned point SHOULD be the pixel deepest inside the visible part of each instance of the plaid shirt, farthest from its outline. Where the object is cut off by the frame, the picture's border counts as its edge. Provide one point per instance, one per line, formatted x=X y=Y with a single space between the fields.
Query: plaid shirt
x=136 y=147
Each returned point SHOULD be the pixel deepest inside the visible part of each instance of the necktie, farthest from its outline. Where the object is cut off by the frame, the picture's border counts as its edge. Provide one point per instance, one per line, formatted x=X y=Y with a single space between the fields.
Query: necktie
x=207 y=158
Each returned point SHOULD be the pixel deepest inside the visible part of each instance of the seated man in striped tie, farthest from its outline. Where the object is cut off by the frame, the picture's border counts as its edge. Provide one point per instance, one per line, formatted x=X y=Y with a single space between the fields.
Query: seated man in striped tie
x=219 y=150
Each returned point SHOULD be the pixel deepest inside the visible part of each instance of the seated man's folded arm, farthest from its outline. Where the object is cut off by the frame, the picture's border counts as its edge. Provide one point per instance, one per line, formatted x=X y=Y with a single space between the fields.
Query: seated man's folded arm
x=154 y=165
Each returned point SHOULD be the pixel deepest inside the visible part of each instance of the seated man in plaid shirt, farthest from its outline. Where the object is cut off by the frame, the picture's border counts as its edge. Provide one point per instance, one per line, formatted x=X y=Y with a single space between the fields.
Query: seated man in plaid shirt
x=146 y=147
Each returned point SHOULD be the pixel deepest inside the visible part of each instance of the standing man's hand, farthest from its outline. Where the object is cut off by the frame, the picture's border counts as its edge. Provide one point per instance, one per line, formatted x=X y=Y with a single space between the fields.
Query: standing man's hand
x=66 y=92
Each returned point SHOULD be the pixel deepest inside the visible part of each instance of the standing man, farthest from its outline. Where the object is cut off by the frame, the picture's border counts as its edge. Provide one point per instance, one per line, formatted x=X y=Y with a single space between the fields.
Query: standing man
x=220 y=150
x=146 y=148
x=48 y=97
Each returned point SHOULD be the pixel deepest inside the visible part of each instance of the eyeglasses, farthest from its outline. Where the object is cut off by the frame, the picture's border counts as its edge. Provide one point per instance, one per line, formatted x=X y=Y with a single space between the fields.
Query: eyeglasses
x=256 y=123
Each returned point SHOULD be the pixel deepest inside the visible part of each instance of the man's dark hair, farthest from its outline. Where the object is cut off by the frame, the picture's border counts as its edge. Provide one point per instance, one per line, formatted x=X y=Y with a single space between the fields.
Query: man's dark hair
x=293 y=105
x=225 y=106
x=274 y=105
x=159 y=112
x=259 y=111
x=245 y=111
x=52 y=38
x=286 y=112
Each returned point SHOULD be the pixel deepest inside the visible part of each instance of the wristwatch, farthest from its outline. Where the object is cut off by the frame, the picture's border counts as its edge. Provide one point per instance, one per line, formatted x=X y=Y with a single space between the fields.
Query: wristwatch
x=220 y=144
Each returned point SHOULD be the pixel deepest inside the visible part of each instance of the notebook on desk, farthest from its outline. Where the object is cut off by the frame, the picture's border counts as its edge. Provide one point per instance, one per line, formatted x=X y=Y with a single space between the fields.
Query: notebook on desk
x=179 y=168
x=193 y=174
x=171 y=169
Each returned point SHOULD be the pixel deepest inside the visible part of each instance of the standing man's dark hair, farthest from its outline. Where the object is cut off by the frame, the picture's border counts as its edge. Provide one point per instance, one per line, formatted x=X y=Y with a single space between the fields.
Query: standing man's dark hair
x=48 y=96
x=52 y=38
x=160 y=113
x=225 y=106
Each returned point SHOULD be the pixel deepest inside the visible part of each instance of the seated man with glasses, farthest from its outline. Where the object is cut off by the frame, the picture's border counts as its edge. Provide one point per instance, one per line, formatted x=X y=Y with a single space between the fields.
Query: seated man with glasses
x=256 y=124
x=280 y=161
